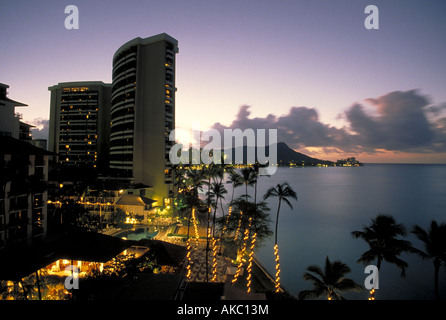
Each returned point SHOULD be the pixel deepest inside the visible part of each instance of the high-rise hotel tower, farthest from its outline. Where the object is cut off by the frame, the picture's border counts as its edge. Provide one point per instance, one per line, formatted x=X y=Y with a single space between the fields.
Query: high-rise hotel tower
x=79 y=130
x=143 y=113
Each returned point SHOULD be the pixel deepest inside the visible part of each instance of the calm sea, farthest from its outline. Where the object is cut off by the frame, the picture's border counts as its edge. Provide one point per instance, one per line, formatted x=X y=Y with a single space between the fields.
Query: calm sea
x=333 y=202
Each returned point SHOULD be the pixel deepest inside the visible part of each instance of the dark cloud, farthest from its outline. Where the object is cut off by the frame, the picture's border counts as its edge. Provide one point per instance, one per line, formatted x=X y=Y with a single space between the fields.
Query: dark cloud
x=396 y=121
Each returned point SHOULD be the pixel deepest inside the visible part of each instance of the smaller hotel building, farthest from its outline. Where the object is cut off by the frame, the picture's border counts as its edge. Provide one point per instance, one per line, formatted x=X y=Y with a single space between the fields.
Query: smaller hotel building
x=79 y=130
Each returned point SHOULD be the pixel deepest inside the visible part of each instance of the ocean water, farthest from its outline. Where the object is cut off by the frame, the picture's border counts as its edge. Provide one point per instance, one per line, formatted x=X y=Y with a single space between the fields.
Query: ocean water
x=333 y=202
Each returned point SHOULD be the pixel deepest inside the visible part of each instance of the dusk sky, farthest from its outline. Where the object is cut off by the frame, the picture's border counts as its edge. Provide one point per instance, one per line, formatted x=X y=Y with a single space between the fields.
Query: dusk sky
x=311 y=69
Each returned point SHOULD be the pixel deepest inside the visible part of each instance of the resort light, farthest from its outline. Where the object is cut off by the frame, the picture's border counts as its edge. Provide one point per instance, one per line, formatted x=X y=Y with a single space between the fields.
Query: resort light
x=276 y=254
x=214 y=259
x=227 y=219
x=239 y=225
x=189 y=271
x=195 y=224
x=251 y=253
x=242 y=253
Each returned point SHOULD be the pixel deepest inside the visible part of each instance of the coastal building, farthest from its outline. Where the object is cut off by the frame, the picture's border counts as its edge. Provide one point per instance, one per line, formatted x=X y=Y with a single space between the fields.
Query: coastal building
x=79 y=128
x=23 y=199
x=10 y=124
x=143 y=113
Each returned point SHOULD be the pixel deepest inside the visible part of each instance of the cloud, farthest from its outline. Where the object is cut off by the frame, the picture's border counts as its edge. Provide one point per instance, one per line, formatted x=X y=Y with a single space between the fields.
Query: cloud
x=396 y=121
x=42 y=128
x=300 y=127
x=399 y=122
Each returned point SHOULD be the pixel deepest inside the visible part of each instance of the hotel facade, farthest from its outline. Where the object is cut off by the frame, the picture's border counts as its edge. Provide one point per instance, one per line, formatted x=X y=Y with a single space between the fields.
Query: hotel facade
x=79 y=130
x=143 y=113
x=23 y=176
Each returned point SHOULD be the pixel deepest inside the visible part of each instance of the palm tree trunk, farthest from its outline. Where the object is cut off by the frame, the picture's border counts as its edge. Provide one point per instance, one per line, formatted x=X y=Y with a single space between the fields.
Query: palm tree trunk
x=38 y=284
x=207 y=230
x=277 y=221
x=188 y=223
x=213 y=219
x=25 y=292
x=378 y=264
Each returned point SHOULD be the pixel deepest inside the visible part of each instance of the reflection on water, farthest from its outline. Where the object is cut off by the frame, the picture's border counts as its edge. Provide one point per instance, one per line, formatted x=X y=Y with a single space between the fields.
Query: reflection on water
x=335 y=201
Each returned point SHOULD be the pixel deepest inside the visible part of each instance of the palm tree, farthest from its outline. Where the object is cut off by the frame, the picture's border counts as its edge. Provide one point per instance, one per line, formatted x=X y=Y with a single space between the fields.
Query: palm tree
x=218 y=190
x=329 y=282
x=248 y=177
x=236 y=180
x=283 y=192
x=194 y=182
x=381 y=236
x=435 y=247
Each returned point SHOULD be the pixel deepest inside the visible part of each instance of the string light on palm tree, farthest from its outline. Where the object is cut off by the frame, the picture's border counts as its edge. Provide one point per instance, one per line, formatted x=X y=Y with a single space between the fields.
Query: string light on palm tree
x=242 y=252
x=239 y=226
x=189 y=260
x=227 y=220
x=276 y=254
x=283 y=192
x=372 y=294
x=194 y=219
x=251 y=258
x=214 y=260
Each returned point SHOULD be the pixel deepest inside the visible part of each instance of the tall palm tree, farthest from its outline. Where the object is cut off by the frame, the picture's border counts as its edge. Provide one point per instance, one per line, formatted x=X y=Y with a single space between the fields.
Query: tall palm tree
x=329 y=282
x=435 y=247
x=248 y=177
x=283 y=192
x=236 y=180
x=195 y=182
x=209 y=172
x=218 y=190
x=382 y=238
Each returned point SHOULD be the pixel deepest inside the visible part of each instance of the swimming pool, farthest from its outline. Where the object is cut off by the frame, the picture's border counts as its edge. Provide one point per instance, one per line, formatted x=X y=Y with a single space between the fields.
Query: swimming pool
x=139 y=233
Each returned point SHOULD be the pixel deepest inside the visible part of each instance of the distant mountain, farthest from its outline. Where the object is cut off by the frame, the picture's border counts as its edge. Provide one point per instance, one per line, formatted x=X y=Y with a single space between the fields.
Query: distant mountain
x=285 y=156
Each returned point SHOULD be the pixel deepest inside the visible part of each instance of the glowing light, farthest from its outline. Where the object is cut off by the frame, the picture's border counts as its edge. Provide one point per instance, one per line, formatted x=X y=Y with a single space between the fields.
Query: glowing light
x=189 y=260
x=276 y=254
x=251 y=253
x=239 y=225
x=195 y=224
x=242 y=253
x=227 y=219
x=372 y=294
x=214 y=259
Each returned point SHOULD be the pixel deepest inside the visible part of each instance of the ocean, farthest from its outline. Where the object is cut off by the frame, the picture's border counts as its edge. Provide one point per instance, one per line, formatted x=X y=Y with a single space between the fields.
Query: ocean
x=333 y=202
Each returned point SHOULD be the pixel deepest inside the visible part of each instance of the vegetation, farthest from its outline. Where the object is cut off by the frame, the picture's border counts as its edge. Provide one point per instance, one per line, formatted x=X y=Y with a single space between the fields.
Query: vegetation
x=382 y=236
x=434 y=241
x=282 y=192
x=329 y=282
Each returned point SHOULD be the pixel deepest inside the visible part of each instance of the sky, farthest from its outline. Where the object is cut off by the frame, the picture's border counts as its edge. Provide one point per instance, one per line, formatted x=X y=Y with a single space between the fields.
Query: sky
x=308 y=68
